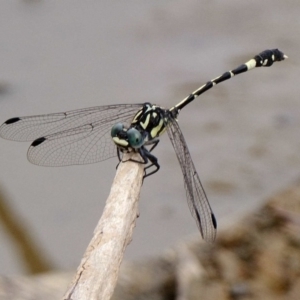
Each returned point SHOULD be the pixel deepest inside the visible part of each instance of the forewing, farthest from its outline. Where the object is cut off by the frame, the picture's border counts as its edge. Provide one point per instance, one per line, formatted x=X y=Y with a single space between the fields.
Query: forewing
x=196 y=197
x=30 y=128
x=75 y=137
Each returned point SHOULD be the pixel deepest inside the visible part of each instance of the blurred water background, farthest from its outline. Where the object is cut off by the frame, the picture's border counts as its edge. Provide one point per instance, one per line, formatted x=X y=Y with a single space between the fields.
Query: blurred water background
x=243 y=135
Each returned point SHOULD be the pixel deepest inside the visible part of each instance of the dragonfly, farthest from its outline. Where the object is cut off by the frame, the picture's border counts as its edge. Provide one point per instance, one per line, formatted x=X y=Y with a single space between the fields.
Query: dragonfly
x=98 y=133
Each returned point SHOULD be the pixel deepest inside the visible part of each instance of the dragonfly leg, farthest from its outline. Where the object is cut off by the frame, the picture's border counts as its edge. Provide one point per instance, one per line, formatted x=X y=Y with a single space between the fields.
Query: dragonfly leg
x=154 y=145
x=119 y=157
x=147 y=156
x=154 y=163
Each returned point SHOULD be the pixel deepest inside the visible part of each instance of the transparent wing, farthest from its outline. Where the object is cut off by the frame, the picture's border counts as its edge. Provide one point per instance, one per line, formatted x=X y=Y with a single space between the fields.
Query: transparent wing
x=75 y=137
x=196 y=197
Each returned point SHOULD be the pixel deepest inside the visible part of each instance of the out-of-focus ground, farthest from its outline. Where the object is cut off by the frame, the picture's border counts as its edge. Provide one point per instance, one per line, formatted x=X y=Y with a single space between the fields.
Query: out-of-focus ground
x=258 y=258
x=243 y=135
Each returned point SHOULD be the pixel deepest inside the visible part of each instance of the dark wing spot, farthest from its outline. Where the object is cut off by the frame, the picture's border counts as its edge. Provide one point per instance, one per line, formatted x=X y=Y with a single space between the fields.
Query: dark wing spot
x=197 y=215
x=199 y=222
x=38 y=141
x=214 y=221
x=12 y=120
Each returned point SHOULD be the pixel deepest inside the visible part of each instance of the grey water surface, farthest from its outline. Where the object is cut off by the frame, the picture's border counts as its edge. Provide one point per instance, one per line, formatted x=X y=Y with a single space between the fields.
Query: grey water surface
x=244 y=135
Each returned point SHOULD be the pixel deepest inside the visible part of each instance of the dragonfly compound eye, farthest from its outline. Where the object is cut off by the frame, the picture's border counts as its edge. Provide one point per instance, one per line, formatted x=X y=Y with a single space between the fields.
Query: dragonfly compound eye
x=116 y=129
x=134 y=138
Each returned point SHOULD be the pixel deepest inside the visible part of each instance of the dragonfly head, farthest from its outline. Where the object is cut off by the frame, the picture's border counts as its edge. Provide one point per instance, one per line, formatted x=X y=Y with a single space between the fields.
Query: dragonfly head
x=125 y=138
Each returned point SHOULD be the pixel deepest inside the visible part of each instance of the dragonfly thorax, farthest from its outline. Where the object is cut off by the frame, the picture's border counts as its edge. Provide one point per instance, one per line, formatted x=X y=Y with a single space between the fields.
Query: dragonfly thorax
x=152 y=120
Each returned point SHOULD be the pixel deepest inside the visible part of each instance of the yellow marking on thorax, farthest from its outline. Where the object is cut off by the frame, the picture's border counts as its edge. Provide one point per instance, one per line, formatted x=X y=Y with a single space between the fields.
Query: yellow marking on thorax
x=136 y=116
x=154 y=132
x=145 y=124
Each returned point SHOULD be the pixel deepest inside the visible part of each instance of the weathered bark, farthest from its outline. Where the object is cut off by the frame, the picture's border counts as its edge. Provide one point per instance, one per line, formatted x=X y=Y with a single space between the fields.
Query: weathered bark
x=97 y=274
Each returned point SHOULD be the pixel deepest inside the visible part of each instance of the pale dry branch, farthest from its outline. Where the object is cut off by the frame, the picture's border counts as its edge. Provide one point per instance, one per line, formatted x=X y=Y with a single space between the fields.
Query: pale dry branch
x=97 y=274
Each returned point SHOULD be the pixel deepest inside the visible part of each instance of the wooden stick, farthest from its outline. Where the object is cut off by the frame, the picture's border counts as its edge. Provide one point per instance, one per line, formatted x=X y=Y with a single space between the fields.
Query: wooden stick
x=97 y=274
